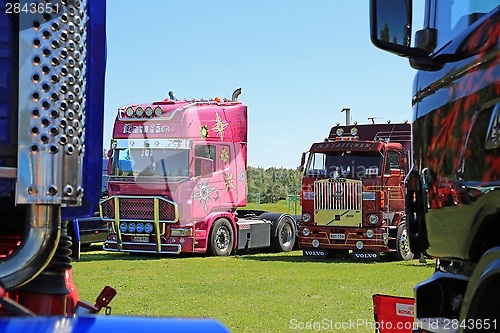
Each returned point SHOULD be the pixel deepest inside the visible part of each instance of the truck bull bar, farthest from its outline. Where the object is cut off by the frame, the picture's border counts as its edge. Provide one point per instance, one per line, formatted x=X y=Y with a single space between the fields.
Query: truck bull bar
x=146 y=209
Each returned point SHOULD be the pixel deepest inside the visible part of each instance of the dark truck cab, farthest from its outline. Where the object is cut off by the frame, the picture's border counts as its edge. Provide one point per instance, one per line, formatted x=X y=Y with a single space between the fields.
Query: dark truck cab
x=88 y=230
x=456 y=107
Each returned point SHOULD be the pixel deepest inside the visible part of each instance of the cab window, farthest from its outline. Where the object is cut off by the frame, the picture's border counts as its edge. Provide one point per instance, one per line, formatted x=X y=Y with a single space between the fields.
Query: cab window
x=392 y=161
x=451 y=17
x=205 y=151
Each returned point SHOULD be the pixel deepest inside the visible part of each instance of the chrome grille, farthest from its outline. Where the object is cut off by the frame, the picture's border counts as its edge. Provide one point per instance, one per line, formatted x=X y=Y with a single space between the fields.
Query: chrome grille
x=139 y=209
x=341 y=195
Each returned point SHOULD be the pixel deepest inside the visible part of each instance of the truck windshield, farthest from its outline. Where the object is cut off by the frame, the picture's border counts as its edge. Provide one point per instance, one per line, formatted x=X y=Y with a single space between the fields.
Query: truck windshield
x=165 y=163
x=353 y=165
x=451 y=17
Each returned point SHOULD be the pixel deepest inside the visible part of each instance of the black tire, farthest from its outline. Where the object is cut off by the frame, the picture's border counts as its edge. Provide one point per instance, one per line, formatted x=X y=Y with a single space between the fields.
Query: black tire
x=221 y=238
x=284 y=238
x=403 y=251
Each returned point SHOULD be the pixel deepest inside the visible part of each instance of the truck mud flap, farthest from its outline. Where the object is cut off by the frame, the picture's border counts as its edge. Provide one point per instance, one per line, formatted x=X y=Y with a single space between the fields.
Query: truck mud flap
x=366 y=255
x=315 y=253
x=393 y=314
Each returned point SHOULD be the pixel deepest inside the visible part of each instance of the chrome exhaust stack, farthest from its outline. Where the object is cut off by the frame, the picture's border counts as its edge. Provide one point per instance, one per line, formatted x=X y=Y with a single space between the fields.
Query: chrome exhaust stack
x=50 y=116
x=236 y=94
x=37 y=248
x=171 y=95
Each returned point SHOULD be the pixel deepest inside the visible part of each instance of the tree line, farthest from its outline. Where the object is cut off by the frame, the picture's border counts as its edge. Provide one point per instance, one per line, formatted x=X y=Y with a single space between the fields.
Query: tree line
x=272 y=184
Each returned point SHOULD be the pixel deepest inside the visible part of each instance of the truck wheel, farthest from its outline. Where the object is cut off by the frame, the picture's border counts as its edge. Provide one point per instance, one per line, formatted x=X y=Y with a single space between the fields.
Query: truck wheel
x=221 y=238
x=403 y=251
x=285 y=236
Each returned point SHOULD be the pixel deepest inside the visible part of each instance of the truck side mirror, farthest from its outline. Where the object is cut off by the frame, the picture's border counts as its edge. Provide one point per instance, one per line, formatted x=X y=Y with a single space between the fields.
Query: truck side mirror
x=302 y=162
x=203 y=167
x=390 y=25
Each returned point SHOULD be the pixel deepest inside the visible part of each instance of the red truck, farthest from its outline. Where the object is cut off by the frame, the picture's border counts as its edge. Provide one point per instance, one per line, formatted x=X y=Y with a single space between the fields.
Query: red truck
x=353 y=195
x=177 y=174
x=453 y=190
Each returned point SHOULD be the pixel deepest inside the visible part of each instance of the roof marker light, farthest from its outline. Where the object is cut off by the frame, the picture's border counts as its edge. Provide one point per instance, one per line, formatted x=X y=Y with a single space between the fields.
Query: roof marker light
x=129 y=112
x=158 y=111
x=139 y=111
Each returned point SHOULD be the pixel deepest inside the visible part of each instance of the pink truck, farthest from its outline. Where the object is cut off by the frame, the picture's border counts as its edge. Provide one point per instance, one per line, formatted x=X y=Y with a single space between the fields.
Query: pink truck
x=177 y=174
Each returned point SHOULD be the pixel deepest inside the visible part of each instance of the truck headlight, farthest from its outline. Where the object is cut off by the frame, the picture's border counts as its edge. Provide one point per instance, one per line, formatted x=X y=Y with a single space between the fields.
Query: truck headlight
x=140 y=227
x=123 y=227
x=306 y=217
x=181 y=232
x=369 y=233
x=148 y=227
x=373 y=219
x=306 y=232
x=131 y=227
x=315 y=243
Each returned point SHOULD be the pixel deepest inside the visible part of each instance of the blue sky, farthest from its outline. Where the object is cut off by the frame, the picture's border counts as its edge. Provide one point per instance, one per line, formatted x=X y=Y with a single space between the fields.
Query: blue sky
x=298 y=64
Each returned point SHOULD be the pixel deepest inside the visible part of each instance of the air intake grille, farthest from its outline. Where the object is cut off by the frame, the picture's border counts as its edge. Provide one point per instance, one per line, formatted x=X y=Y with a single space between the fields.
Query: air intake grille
x=140 y=209
x=339 y=194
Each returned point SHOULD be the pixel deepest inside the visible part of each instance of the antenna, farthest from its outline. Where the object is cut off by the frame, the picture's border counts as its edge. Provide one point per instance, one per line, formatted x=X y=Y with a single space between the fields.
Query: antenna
x=347 y=115
x=372 y=119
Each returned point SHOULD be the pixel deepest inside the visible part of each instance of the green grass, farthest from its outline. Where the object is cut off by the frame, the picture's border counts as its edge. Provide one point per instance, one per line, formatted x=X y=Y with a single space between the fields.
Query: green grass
x=263 y=292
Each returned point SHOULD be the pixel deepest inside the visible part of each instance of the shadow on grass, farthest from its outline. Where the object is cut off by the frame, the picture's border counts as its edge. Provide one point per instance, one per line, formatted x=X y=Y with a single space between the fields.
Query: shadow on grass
x=301 y=258
x=96 y=253
x=337 y=259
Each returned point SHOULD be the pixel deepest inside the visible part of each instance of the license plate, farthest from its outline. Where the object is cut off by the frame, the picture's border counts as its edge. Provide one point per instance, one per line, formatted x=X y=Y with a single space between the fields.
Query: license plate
x=140 y=239
x=337 y=236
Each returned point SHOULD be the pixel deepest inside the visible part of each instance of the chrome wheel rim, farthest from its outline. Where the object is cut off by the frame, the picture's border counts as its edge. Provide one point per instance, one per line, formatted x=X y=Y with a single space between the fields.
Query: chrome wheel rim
x=222 y=239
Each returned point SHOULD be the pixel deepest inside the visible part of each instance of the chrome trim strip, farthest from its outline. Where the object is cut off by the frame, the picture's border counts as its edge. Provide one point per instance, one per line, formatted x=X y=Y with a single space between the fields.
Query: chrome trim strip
x=178 y=246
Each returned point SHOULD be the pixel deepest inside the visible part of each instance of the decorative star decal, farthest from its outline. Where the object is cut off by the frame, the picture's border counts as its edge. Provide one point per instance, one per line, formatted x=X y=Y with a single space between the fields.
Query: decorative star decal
x=243 y=176
x=228 y=179
x=204 y=131
x=219 y=126
x=203 y=192
x=224 y=155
